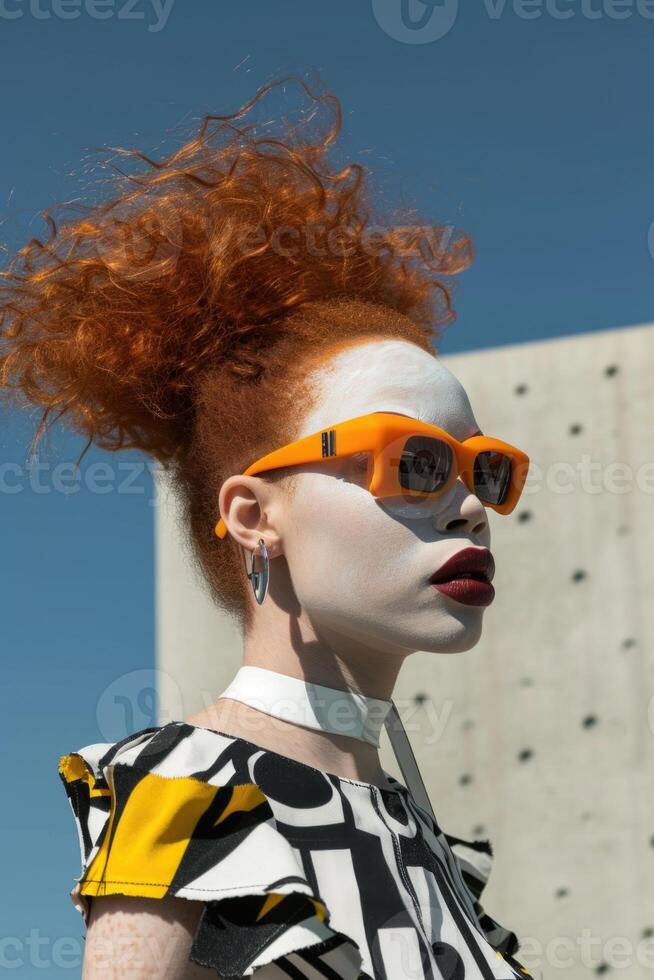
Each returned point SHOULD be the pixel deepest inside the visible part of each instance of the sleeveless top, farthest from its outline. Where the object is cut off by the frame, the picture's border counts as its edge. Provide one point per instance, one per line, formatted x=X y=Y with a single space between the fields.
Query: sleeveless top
x=302 y=873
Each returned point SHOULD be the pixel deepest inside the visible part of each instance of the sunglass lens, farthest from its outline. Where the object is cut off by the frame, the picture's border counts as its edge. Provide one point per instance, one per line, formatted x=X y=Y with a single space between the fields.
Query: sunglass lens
x=492 y=475
x=425 y=464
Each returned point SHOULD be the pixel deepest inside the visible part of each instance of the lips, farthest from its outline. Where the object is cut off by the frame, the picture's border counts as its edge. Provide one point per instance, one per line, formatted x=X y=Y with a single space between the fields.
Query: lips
x=470 y=563
x=466 y=577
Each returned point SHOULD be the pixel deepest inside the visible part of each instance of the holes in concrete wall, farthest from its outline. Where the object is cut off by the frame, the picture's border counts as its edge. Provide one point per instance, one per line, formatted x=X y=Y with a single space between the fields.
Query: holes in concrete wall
x=590 y=721
x=420 y=698
x=602 y=968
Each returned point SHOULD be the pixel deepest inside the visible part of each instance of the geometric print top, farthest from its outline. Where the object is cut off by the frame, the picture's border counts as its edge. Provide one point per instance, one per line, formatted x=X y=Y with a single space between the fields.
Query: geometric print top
x=302 y=873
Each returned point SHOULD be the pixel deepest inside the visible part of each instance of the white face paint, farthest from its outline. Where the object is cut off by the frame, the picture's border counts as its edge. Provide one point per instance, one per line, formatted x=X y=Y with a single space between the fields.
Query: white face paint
x=360 y=565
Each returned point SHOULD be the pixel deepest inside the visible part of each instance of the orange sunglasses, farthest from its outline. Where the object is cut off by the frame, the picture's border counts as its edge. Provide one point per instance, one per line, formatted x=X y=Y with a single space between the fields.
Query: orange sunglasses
x=411 y=459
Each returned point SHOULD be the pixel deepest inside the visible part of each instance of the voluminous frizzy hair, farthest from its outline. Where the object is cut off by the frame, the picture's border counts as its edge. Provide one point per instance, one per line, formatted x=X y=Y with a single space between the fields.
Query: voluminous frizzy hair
x=181 y=316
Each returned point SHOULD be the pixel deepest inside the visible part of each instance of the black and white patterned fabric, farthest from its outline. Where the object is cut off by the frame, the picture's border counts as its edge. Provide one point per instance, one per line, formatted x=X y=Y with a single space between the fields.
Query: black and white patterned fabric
x=302 y=873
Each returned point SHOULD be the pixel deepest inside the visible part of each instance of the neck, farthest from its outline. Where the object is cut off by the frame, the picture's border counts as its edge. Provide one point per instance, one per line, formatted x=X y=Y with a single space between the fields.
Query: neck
x=322 y=656
x=294 y=646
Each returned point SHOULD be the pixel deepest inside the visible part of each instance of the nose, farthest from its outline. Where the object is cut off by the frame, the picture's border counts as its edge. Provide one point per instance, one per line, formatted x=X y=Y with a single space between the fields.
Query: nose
x=460 y=510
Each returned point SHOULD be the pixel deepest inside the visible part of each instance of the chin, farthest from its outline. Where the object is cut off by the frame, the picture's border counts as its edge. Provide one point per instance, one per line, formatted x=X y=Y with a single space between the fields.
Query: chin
x=455 y=637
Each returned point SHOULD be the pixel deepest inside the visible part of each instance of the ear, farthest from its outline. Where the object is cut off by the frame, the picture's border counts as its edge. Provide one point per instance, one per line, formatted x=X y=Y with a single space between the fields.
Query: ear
x=248 y=506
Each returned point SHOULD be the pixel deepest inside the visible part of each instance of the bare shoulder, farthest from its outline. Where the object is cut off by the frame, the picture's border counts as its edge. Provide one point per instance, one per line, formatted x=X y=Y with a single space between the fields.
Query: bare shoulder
x=133 y=938
x=210 y=717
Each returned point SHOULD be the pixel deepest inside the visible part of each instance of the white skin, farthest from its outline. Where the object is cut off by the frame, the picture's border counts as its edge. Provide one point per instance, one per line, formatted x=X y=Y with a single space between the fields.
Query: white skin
x=348 y=600
x=348 y=595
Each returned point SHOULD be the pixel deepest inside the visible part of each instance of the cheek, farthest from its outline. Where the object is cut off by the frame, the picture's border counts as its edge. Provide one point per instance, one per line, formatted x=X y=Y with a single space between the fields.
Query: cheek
x=341 y=545
x=337 y=532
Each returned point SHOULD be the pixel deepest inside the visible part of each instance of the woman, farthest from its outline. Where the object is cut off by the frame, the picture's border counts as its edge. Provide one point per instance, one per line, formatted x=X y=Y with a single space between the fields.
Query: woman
x=234 y=312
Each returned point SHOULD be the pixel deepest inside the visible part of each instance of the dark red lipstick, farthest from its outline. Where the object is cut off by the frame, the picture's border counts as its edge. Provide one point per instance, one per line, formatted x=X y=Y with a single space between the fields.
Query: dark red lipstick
x=467 y=576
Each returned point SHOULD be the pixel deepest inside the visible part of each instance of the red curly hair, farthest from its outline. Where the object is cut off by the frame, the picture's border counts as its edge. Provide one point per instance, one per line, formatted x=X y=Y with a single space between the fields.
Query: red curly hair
x=182 y=316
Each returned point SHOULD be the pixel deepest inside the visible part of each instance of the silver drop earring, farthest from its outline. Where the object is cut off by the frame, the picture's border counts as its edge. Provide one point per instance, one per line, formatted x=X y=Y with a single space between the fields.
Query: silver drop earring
x=259 y=579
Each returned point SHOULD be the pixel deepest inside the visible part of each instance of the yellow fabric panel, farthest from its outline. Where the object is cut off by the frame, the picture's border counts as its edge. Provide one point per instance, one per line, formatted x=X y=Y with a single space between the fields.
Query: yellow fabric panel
x=245 y=797
x=73 y=767
x=274 y=898
x=319 y=907
x=141 y=855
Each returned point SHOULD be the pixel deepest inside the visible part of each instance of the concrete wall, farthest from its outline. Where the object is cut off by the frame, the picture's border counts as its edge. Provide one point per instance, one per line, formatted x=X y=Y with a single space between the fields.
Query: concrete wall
x=541 y=738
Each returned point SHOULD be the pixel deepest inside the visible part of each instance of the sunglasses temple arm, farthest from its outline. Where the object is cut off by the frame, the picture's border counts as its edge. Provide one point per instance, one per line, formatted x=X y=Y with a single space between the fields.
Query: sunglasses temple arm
x=306 y=450
x=340 y=440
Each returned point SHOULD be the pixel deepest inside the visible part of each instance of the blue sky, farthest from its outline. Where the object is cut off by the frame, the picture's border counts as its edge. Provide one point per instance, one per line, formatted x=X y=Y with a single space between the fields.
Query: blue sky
x=527 y=124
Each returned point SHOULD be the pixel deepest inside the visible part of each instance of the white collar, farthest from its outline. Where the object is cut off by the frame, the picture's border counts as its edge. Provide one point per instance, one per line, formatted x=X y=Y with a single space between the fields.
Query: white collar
x=329 y=709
